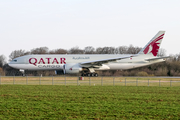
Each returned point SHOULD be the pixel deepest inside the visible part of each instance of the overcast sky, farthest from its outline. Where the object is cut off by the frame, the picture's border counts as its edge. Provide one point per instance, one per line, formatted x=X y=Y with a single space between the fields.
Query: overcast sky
x=28 y=24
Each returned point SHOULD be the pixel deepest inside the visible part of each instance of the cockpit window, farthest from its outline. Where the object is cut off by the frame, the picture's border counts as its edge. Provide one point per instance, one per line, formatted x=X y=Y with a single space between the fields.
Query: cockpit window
x=15 y=60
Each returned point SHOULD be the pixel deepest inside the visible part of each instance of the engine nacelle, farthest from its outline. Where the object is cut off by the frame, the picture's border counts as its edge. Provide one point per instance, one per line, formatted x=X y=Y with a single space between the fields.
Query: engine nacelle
x=72 y=68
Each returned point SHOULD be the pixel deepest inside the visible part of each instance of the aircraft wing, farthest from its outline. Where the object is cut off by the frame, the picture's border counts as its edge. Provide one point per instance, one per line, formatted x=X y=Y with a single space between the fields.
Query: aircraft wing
x=100 y=62
x=156 y=58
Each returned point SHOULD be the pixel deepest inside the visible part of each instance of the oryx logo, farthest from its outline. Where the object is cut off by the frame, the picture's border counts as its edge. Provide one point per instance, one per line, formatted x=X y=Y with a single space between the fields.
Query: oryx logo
x=153 y=47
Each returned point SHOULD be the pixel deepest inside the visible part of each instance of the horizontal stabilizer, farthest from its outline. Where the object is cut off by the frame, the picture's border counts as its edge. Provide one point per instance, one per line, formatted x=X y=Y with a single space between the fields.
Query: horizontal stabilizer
x=156 y=58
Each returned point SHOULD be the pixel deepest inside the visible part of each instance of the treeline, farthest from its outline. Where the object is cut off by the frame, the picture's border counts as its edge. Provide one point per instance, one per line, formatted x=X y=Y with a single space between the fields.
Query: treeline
x=169 y=68
x=76 y=50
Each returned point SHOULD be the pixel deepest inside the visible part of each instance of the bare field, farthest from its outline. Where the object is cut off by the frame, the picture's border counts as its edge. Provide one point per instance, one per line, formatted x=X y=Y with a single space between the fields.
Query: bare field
x=91 y=81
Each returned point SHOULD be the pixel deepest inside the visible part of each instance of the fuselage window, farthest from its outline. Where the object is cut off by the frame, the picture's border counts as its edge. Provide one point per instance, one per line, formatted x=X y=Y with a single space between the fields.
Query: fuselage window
x=15 y=60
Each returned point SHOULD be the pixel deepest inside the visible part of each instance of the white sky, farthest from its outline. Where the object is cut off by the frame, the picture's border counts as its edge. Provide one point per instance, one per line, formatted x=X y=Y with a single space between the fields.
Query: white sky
x=68 y=23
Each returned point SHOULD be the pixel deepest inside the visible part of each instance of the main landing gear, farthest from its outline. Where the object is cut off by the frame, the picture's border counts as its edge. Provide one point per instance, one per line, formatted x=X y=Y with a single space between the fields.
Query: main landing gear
x=90 y=74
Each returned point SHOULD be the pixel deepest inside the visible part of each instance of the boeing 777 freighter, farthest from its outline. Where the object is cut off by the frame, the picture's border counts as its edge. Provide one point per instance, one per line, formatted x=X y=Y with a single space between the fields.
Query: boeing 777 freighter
x=87 y=64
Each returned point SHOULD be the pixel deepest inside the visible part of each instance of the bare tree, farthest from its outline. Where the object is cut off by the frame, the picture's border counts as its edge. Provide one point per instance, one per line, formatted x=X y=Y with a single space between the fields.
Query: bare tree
x=121 y=50
x=133 y=50
x=75 y=50
x=89 y=50
x=177 y=57
x=137 y=50
x=99 y=50
x=111 y=50
x=41 y=50
x=2 y=60
x=16 y=53
x=58 y=51
x=161 y=52
x=106 y=50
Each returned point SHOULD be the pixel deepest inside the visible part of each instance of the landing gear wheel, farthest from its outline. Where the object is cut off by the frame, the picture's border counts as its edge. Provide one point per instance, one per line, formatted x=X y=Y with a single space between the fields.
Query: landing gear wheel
x=95 y=74
x=89 y=74
x=92 y=74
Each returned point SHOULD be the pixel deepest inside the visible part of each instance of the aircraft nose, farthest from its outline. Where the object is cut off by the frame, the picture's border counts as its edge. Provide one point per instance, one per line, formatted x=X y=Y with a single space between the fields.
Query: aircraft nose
x=12 y=63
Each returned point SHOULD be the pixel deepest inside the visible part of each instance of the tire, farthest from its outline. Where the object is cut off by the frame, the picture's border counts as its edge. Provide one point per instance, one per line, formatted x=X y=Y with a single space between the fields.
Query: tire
x=88 y=74
x=96 y=75
x=92 y=74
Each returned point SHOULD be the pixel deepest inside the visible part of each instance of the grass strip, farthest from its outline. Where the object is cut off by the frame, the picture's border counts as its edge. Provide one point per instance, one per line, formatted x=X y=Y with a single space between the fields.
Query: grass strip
x=88 y=102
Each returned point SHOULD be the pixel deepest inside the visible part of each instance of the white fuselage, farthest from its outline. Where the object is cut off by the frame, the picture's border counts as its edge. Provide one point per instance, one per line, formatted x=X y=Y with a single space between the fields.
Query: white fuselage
x=87 y=64
x=56 y=62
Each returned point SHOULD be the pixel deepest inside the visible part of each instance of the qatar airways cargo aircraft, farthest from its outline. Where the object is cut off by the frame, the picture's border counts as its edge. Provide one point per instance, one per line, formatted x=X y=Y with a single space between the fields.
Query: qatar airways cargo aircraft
x=87 y=64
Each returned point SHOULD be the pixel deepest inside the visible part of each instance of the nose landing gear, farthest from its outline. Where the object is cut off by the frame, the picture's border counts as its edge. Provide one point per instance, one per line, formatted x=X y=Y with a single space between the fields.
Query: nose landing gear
x=23 y=72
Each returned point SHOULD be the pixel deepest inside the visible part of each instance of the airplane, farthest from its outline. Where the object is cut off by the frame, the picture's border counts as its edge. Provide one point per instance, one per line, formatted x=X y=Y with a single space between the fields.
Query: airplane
x=87 y=64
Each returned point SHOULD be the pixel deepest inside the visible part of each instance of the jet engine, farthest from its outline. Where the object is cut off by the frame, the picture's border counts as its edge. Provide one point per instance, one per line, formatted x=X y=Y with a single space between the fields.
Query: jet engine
x=72 y=68
x=69 y=69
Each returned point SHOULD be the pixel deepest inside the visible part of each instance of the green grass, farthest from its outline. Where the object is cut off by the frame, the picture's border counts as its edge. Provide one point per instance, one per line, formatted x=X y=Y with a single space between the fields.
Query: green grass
x=88 y=102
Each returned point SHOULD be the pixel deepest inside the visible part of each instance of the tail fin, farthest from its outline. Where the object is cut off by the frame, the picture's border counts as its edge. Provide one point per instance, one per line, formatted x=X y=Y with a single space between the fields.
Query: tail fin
x=153 y=45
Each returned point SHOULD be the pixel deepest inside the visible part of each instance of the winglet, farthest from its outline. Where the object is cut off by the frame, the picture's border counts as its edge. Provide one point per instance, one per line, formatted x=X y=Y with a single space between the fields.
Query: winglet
x=153 y=45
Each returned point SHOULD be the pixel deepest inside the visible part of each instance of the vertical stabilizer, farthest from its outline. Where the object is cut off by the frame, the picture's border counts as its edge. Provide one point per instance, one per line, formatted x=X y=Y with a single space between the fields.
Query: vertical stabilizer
x=154 y=44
